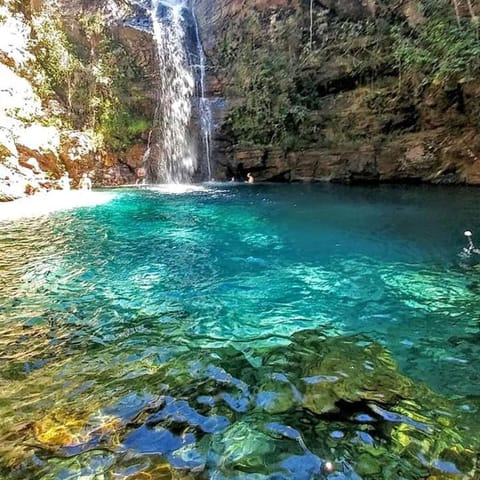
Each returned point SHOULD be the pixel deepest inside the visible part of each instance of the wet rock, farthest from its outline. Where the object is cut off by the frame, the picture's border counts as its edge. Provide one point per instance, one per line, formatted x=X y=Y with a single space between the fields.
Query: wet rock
x=140 y=46
x=77 y=152
x=41 y=143
x=134 y=156
x=330 y=371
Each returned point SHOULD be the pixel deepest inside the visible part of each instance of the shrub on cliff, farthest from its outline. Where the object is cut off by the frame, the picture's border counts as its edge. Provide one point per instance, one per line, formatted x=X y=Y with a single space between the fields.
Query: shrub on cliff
x=91 y=82
x=441 y=48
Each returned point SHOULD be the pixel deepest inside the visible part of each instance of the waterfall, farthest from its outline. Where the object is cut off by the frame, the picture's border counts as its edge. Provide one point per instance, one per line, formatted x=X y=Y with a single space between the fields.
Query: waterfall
x=204 y=109
x=170 y=155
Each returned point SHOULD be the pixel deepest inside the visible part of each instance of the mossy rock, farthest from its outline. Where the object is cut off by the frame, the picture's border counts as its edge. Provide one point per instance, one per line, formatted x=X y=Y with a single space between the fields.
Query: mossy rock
x=331 y=370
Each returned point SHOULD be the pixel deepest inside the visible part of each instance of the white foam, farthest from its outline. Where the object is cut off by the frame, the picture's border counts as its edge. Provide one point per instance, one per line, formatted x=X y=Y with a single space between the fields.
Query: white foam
x=47 y=203
x=176 y=188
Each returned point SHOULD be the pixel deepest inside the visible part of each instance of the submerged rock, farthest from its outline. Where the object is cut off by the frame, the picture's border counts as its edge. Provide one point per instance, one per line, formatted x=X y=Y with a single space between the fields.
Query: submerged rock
x=317 y=406
x=329 y=372
x=59 y=429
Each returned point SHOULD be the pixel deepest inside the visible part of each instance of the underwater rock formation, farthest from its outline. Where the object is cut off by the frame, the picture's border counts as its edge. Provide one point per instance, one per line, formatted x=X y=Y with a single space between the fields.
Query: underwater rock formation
x=311 y=407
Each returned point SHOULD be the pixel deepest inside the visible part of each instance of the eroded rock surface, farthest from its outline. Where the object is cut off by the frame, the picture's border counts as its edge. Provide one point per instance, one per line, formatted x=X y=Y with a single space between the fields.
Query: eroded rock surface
x=318 y=96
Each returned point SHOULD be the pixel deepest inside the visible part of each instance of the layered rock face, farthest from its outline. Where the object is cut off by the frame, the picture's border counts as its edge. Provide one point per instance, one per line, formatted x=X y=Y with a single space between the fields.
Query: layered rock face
x=333 y=90
x=32 y=149
x=322 y=90
x=77 y=94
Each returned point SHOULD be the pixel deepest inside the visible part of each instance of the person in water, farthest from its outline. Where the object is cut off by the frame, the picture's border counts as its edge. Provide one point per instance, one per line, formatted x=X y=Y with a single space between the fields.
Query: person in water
x=85 y=182
x=65 y=182
x=470 y=248
x=141 y=174
x=250 y=178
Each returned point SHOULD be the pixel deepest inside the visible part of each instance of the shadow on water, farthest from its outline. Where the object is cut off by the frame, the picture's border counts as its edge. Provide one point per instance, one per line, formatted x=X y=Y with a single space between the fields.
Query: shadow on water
x=242 y=332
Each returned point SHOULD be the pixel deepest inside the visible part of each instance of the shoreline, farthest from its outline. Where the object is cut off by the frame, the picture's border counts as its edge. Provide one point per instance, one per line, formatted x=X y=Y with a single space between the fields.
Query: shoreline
x=47 y=203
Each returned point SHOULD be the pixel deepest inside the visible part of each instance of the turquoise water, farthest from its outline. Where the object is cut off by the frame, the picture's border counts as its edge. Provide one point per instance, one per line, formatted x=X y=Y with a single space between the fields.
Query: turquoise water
x=243 y=331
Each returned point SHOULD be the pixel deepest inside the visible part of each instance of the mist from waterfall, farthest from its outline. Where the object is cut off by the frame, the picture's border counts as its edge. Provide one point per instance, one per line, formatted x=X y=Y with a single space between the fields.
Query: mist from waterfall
x=170 y=154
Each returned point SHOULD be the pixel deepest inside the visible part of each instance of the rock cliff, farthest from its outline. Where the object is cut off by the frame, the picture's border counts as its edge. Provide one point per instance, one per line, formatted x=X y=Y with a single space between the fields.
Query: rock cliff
x=76 y=93
x=344 y=90
x=301 y=90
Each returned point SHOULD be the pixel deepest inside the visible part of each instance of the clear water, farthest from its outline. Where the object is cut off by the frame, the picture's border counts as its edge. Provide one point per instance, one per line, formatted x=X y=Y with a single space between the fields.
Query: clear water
x=243 y=331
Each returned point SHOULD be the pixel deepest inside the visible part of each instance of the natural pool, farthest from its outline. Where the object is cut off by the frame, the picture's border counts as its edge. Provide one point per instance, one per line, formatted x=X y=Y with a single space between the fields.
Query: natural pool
x=243 y=332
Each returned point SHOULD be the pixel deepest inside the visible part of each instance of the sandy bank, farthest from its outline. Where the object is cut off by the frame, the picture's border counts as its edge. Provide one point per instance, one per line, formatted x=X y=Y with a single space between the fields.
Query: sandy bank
x=46 y=203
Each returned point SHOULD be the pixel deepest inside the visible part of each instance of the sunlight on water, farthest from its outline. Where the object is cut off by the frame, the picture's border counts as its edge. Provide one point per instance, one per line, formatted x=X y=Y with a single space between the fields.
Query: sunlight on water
x=43 y=204
x=242 y=332
x=176 y=188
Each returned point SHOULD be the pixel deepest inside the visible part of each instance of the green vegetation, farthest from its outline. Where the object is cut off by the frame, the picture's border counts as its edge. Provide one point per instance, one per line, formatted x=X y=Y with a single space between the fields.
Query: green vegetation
x=356 y=78
x=53 y=53
x=121 y=127
x=440 y=49
x=268 y=110
x=264 y=73
x=91 y=79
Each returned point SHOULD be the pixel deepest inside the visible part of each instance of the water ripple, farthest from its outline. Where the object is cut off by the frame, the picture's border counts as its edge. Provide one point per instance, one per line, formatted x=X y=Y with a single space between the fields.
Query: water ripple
x=220 y=333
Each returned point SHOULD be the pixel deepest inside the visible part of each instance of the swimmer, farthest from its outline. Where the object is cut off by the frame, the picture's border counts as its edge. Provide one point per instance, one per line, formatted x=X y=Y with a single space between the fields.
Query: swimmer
x=85 y=182
x=65 y=182
x=470 y=248
x=141 y=176
x=250 y=178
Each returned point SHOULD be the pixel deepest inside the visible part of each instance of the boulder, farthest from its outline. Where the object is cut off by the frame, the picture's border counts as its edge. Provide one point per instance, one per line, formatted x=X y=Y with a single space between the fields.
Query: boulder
x=78 y=152
x=329 y=372
x=134 y=156
x=42 y=143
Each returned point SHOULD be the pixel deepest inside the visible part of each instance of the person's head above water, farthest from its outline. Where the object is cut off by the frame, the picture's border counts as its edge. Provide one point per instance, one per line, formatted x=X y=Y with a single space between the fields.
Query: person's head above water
x=471 y=247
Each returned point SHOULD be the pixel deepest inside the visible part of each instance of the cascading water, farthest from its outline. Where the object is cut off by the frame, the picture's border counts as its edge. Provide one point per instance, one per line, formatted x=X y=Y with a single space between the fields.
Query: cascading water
x=169 y=157
x=170 y=154
x=204 y=109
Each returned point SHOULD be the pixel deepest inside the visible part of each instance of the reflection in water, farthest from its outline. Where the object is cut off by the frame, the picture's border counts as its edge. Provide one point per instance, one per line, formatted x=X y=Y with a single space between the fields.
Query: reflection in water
x=241 y=333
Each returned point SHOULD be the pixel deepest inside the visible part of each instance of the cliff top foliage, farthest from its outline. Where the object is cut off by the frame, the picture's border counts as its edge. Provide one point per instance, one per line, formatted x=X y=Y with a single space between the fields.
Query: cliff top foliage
x=283 y=71
x=442 y=48
x=90 y=79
